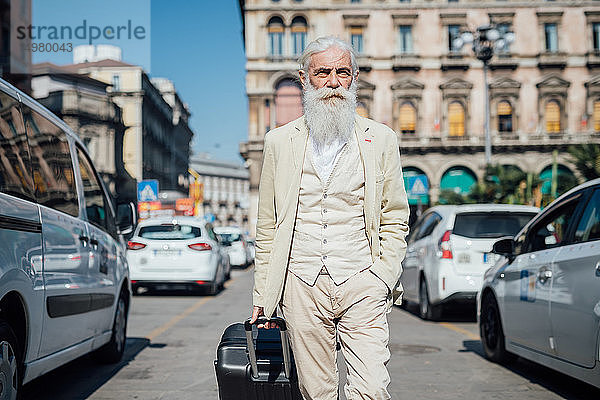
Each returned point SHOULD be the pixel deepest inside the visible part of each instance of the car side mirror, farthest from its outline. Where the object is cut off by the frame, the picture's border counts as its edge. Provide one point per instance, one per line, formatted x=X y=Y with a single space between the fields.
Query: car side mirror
x=126 y=218
x=505 y=247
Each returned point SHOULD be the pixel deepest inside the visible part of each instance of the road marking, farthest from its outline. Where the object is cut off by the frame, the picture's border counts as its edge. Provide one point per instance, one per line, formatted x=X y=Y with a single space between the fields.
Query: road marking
x=165 y=327
x=458 y=329
x=162 y=329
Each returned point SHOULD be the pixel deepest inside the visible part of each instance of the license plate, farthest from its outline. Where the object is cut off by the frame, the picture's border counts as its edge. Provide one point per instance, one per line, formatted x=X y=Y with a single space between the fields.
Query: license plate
x=167 y=253
x=464 y=258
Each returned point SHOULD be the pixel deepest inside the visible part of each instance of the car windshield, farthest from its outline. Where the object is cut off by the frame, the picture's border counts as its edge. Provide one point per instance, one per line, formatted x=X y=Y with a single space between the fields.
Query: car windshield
x=229 y=237
x=490 y=224
x=170 y=232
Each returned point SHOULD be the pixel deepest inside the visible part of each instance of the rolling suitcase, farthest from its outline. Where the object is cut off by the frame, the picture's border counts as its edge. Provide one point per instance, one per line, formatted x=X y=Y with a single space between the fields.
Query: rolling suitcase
x=256 y=364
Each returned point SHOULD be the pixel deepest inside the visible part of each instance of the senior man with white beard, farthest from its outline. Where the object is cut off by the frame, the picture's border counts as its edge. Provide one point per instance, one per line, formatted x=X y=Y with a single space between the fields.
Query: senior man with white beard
x=330 y=235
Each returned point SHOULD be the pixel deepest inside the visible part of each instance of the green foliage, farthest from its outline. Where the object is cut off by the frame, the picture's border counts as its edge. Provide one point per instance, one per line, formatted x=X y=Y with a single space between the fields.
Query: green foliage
x=507 y=185
x=586 y=158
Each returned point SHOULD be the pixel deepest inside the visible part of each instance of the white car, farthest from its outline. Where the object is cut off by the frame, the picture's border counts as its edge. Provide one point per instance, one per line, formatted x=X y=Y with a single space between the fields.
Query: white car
x=176 y=253
x=449 y=249
x=237 y=248
x=541 y=301
x=64 y=281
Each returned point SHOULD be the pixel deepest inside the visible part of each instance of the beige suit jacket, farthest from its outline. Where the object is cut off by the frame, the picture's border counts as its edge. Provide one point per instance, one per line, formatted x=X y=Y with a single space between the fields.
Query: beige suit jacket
x=385 y=205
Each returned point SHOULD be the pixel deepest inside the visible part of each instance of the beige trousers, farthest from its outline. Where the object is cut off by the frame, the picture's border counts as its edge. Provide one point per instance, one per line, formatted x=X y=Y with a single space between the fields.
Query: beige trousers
x=355 y=310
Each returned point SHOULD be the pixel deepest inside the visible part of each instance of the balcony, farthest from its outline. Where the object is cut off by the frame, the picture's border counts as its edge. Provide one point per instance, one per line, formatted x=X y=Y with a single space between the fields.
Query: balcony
x=406 y=62
x=552 y=60
x=503 y=61
x=455 y=61
x=592 y=59
x=512 y=142
x=364 y=62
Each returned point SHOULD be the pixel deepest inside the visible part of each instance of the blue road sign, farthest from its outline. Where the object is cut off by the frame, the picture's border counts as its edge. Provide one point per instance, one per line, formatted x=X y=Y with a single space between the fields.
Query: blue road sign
x=418 y=185
x=147 y=190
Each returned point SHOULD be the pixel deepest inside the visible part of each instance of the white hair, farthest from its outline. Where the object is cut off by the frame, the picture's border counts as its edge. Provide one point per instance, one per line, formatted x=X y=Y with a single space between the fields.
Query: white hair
x=323 y=43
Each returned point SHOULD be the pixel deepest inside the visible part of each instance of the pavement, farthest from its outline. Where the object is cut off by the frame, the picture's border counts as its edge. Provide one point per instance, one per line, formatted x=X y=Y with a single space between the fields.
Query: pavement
x=172 y=340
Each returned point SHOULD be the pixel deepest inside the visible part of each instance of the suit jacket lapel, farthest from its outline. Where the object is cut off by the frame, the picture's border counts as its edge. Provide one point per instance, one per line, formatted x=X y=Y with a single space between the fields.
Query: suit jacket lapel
x=367 y=154
x=299 y=139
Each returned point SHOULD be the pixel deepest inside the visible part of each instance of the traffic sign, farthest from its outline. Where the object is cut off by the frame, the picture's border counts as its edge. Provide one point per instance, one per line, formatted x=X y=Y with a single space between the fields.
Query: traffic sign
x=147 y=190
x=418 y=185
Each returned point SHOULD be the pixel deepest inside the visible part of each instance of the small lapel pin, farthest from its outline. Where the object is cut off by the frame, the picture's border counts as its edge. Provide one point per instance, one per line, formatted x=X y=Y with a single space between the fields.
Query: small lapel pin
x=368 y=140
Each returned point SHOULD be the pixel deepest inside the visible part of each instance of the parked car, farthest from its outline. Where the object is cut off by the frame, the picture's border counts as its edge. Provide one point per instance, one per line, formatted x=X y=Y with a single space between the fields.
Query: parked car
x=449 y=249
x=237 y=247
x=251 y=248
x=176 y=253
x=541 y=301
x=64 y=280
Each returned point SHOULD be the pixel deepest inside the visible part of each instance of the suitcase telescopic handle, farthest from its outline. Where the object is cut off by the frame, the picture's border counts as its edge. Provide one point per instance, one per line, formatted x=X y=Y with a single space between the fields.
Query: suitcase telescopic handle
x=285 y=344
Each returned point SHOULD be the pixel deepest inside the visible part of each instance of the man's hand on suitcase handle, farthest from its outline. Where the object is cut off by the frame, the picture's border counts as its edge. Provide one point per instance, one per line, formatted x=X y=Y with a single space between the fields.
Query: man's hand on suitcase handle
x=258 y=311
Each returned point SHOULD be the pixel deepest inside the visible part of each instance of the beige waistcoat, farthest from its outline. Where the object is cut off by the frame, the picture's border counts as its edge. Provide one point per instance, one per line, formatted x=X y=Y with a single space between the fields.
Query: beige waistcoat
x=330 y=224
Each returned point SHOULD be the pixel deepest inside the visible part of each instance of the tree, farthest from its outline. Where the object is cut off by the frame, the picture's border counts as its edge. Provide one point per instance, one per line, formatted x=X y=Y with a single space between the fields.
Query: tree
x=586 y=158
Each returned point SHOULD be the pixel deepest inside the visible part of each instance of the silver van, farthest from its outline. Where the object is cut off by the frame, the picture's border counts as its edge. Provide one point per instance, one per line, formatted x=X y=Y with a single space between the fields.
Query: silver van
x=64 y=280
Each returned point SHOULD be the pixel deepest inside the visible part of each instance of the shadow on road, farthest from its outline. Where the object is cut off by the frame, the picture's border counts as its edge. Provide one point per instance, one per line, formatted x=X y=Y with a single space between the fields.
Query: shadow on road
x=561 y=384
x=81 y=377
x=456 y=313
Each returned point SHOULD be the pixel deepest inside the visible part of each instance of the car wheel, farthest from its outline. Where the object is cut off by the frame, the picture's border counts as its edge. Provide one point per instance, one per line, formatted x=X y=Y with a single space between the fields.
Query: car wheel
x=10 y=379
x=228 y=274
x=426 y=309
x=112 y=351
x=491 y=332
x=216 y=285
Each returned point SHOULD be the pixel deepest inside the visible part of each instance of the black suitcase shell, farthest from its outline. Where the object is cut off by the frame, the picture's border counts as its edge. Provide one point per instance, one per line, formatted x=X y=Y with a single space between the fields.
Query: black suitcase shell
x=234 y=372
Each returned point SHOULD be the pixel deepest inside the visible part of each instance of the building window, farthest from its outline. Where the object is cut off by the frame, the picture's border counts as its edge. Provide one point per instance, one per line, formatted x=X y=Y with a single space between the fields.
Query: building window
x=505 y=117
x=596 y=35
x=503 y=29
x=288 y=101
x=116 y=83
x=404 y=1
x=552 y=117
x=456 y=119
x=275 y=29
x=453 y=33
x=405 y=42
x=299 y=29
x=356 y=38
x=408 y=118
x=551 y=33
x=354 y=1
x=597 y=116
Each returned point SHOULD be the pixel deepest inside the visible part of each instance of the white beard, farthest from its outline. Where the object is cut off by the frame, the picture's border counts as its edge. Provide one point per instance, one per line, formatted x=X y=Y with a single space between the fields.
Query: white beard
x=329 y=114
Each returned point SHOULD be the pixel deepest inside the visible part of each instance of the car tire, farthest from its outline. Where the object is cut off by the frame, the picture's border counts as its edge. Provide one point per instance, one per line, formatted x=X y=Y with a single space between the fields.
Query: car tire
x=492 y=333
x=10 y=364
x=427 y=310
x=215 y=286
x=112 y=352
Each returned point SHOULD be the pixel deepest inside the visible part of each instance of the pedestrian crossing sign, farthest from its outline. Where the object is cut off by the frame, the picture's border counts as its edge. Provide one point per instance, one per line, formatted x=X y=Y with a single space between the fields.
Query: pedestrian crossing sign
x=417 y=185
x=147 y=190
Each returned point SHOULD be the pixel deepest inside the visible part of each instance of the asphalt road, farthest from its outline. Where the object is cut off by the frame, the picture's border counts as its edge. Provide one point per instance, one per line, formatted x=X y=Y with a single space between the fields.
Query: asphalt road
x=172 y=339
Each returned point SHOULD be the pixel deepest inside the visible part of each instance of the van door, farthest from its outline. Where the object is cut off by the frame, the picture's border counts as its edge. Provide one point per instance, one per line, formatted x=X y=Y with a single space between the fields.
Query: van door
x=65 y=240
x=575 y=296
x=102 y=232
x=529 y=279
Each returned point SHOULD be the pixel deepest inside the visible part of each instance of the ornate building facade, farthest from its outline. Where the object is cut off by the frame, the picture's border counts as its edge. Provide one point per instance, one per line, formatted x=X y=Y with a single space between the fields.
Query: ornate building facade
x=84 y=104
x=544 y=88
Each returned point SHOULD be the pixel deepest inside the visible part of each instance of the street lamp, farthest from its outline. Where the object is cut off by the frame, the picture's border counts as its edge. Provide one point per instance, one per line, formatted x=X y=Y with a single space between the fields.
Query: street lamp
x=485 y=40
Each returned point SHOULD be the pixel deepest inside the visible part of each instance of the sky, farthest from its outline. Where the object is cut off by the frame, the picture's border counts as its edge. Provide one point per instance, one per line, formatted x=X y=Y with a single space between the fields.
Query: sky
x=196 y=44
